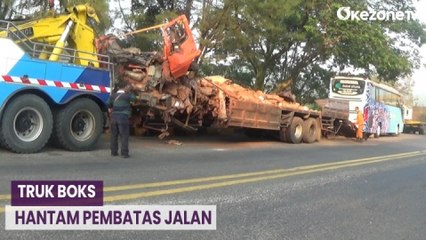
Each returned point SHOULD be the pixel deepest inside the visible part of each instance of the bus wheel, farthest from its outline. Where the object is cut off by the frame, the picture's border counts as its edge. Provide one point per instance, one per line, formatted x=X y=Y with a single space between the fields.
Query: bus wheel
x=310 y=130
x=79 y=125
x=26 y=125
x=377 y=133
x=295 y=131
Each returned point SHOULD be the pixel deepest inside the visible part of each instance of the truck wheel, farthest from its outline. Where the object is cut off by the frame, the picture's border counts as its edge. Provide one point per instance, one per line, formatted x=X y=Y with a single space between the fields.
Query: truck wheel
x=78 y=126
x=27 y=124
x=319 y=132
x=295 y=131
x=377 y=133
x=283 y=134
x=310 y=130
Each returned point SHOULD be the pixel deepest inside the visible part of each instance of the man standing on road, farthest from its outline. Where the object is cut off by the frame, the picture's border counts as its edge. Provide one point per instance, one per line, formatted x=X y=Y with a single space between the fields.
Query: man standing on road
x=359 y=123
x=120 y=111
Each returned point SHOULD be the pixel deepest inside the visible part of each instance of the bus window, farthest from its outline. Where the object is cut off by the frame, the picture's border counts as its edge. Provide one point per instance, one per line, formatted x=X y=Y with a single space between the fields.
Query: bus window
x=380 y=95
x=373 y=92
x=387 y=97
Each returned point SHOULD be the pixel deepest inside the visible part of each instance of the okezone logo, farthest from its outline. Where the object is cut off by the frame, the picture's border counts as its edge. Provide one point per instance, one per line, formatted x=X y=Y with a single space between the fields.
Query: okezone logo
x=345 y=13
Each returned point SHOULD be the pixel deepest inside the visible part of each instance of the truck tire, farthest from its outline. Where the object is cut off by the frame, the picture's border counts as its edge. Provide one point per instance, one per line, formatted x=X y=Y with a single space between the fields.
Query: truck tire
x=283 y=134
x=294 y=133
x=26 y=125
x=310 y=130
x=79 y=125
x=319 y=133
x=377 y=133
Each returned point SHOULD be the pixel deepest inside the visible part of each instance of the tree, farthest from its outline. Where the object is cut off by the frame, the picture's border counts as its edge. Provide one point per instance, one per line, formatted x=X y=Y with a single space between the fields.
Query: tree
x=37 y=8
x=405 y=87
x=149 y=13
x=300 y=43
x=5 y=8
x=102 y=10
x=293 y=42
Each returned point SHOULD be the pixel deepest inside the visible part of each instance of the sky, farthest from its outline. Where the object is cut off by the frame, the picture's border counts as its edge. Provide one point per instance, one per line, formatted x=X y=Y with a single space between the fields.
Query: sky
x=419 y=75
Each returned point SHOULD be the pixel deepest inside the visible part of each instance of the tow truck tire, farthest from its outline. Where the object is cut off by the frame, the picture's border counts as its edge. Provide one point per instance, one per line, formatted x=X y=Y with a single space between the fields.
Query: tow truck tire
x=79 y=125
x=26 y=125
x=310 y=130
x=294 y=133
x=2 y=144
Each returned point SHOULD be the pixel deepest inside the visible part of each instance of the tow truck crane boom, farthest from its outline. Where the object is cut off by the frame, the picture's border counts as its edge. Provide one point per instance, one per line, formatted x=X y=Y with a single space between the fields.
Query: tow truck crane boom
x=69 y=30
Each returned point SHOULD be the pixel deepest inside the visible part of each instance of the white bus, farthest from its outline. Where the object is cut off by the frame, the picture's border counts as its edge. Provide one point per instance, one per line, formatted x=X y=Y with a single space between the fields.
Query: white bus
x=381 y=104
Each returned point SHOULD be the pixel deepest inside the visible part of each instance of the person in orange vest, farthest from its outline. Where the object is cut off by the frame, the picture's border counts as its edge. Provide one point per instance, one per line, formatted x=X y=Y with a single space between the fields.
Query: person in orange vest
x=359 y=123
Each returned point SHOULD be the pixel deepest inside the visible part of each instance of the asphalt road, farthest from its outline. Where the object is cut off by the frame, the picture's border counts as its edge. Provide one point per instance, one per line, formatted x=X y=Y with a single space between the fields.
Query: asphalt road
x=263 y=189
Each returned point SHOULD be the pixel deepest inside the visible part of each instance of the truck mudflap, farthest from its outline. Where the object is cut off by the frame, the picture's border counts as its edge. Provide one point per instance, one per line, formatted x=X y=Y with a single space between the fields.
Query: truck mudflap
x=253 y=115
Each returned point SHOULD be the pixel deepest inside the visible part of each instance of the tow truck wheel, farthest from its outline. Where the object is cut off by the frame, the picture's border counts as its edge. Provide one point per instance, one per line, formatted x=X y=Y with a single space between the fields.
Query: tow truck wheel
x=295 y=131
x=78 y=126
x=310 y=130
x=26 y=125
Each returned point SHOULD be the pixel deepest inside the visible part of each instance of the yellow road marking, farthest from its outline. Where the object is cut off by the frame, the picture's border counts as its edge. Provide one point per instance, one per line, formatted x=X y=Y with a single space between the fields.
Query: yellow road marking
x=240 y=175
x=248 y=180
x=5 y=197
x=240 y=178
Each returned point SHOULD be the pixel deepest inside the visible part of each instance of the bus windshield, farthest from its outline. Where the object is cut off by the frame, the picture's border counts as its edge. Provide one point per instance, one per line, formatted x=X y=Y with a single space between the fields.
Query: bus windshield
x=348 y=87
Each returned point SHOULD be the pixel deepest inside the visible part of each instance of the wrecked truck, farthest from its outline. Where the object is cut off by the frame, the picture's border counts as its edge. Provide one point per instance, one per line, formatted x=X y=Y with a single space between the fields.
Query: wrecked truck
x=170 y=94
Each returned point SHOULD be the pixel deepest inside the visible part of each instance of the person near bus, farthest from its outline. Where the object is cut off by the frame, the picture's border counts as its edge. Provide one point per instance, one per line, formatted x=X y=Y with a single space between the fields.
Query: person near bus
x=359 y=123
x=119 y=105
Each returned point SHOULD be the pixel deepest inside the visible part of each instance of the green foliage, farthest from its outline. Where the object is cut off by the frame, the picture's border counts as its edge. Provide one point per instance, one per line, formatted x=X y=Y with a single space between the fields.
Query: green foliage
x=149 y=13
x=238 y=72
x=312 y=84
x=303 y=43
x=5 y=8
x=262 y=44
x=102 y=10
x=405 y=87
x=39 y=8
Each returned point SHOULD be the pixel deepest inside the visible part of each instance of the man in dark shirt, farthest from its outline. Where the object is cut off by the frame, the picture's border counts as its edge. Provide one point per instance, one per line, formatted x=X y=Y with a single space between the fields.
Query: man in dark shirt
x=120 y=110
